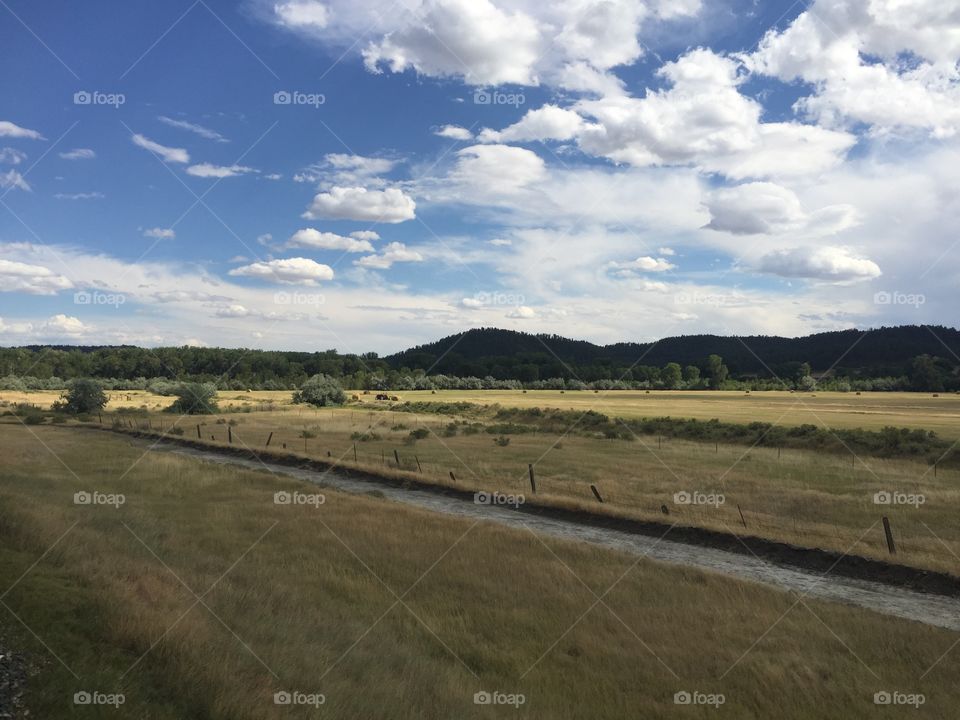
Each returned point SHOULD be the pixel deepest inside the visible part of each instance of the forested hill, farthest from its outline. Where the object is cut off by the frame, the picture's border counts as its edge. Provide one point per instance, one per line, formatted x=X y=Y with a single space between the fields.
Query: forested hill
x=907 y=357
x=879 y=352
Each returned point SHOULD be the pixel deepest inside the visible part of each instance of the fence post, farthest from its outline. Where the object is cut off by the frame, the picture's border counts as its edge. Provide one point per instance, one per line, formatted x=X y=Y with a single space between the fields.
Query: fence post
x=198 y=433
x=229 y=435
x=886 y=529
x=533 y=481
x=269 y=438
x=396 y=456
x=596 y=493
x=418 y=463
x=741 y=516
x=452 y=476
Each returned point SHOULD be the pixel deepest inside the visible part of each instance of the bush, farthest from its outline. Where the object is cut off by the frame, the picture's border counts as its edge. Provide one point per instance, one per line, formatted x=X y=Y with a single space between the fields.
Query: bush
x=320 y=390
x=502 y=441
x=83 y=396
x=195 y=399
x=419 y=434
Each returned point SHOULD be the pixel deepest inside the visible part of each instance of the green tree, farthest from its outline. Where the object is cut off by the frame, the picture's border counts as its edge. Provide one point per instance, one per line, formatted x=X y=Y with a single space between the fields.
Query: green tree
x=671 y=376
x=691 y=374
x=320 y=390
x=195 y=399
x=717 y=371
x=83 y=396
x=925 y=375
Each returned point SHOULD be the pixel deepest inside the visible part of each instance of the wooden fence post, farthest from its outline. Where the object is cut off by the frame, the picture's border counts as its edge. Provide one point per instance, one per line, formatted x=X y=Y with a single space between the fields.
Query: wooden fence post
x=452 y=476
x=396 y=456
x=418 y=463
x=533 y=481
x=741 y=516
x=354 y=452
x=198 y=433
x=229 y=435
x=596 y=493
x=886 y=529
x=269 y=438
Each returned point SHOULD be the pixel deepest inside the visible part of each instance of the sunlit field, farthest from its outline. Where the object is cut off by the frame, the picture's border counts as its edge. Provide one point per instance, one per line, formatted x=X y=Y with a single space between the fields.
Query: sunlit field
x=804 y=497
x=198 y=596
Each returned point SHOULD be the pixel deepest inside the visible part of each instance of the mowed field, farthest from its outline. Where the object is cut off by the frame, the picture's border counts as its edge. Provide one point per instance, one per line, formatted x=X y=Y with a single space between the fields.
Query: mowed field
x=804 y=497
x=198 y=596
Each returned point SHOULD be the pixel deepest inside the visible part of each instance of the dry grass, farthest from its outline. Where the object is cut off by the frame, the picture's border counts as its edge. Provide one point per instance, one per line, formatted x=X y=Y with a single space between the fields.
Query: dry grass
x=303 y=598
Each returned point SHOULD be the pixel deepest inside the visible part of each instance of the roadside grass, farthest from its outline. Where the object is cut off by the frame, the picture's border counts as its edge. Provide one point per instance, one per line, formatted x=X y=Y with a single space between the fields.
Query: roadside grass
x=305 y=598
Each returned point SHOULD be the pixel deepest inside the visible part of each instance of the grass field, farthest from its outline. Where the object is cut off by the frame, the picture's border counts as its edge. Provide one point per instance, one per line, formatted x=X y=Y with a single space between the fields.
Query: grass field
x=199 y=597
x=803 y=497
x=870 y=411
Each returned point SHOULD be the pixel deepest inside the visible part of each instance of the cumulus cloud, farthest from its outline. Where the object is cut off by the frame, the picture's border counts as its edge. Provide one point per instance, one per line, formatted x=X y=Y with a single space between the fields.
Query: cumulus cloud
x=704 y=120
x=33 y=279
x=206 y=170
x=292 y=271
x=357 y=203
x=9 y=129
x=12 y=156
x=767 y=208
x=546 y=123
x=194 y=128
x=489 y=171
x=79 y=154
x=302 y=15
x=65 y=325
x=160 y=233
x=522 y=312
x=311 y=238
x=473 y=39
x=12 y=180
x=887 y=63
x=832 y=264
x=168 y=154
x=644 y=264
x=454 y=132
x=393 y=253
x=368 y=235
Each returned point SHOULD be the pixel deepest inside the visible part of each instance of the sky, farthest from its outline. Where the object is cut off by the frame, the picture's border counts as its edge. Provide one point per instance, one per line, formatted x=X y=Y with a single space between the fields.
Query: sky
x=371 y=175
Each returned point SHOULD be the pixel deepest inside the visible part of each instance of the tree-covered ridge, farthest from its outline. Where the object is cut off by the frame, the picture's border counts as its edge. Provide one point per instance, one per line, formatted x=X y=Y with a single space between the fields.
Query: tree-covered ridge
x=898 y=358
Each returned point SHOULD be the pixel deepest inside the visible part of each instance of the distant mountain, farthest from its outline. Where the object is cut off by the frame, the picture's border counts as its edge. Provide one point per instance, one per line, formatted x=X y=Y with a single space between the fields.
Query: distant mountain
x=883 y=351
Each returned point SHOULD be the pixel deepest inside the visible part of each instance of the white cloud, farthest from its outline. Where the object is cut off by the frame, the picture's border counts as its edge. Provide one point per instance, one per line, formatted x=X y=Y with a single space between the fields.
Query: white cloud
x=292 y=271
x=642 y=264
x=33 y=279
x=522 y=313
x=704 y=120
x=13 y=180
x=65 y=325
x=79 y=154
x=303 y=15
x=311 y=238
x=194 y=128
x=206 y=170
x=356 y=203
x=80 y=196
x=889 y=63
x=12 y=156
x=834 y=264
x=473 y=39
x=168 y=154
x=454 y=132
x=9 y=129
x=160 y=233
x=767 y=208
x=393 y=253
x=368 y=235
x=668 y=252
x=342 y=169
x=490 y=171
x=545 y=123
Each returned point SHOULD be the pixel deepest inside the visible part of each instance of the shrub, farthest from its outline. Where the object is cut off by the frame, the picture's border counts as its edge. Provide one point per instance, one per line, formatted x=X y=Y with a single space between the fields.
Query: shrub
x=83 y=396
x=419 y=434
x=195 y=399
x=502 y=441
x=321 y=391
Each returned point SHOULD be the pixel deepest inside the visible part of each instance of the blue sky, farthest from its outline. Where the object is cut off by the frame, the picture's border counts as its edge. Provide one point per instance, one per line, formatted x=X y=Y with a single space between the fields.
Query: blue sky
x=606 y=170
